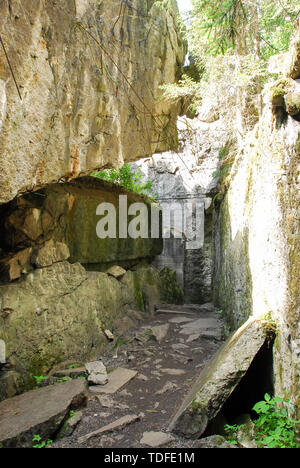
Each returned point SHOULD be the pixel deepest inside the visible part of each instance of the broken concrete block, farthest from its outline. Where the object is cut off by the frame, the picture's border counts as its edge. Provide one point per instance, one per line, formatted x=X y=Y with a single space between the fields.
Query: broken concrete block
x=51 y=252
x=116 y=271
x=97 y=373
x=218 y=380
x=13 y=266
x=215 y=441
x=40 y=412
x=156 y=439
x=70 y=425
x=206 y=327
x=116 y=380
x=109 y=335
x=160 y=332
x=118 y=424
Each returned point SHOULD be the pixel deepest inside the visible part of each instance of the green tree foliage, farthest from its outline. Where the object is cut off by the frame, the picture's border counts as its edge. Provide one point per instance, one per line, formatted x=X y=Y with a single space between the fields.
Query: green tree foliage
x=127 y=178
x=262 y=27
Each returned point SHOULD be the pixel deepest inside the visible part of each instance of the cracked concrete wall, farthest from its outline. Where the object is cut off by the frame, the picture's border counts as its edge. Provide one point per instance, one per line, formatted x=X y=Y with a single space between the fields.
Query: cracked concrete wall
x=184 y=177
x=256 y=245
x=59 y=313
x=60 y=223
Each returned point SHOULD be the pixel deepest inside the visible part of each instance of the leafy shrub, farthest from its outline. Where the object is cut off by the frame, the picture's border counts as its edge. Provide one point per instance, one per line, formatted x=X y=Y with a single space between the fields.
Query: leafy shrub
x=274 y=427
x=41 y=443
x=127 y=178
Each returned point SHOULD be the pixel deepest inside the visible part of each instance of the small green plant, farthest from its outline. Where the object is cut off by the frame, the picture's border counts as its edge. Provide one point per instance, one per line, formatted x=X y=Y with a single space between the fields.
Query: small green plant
x=275 y=429
x=41 y=443
x=65 y=379
x=39 y=379
x=72 y=366
x=269 y=324
x=220 y=312
x=231 y=432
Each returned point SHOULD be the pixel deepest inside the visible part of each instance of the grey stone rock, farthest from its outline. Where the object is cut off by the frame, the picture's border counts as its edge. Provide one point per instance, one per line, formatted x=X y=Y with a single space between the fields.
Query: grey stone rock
x=156 y=439
x=215 y=441
x=70 y=425
x=107 y=402
x=97 y=373
x=116 y=380
x=210 y=327
x=39 y=411
x=50 y=253
x=218 y=380
x=116 y=271
x=246 y=435
x=109 y=335
x=116 y=425
x=168 y=387
x=160 y=331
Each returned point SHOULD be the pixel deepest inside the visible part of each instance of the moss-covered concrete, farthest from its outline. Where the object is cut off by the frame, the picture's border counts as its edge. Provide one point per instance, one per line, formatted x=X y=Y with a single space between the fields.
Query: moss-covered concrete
x=256 y=241
x=59 y=313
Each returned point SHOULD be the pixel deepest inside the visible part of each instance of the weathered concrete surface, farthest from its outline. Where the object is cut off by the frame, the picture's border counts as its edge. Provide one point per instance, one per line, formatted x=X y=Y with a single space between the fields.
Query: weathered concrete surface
x=156 y=439
x=39 y=412
x=116 y=380
x=179 y=179
x=214 y=442
x=256 y=242
x=218 y=380
x=118 y=424
x=97 y=373
x=60 y=313
x=61 y=223
x=78 y=112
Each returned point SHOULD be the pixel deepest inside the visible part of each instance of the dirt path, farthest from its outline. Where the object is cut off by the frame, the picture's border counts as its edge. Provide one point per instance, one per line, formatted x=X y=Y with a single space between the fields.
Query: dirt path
x=167 y=352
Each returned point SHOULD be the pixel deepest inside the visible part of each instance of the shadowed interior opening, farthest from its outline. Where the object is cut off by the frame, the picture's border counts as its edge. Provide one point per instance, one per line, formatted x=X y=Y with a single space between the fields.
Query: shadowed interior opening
x=254 y=385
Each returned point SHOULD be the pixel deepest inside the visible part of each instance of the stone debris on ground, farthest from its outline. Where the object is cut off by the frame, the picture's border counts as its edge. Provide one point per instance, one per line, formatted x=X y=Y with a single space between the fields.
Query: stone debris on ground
x=118 y=424
x=116 y=380
x=160 y=332
x=142 y=395
x=219 y=379
x=109 y=335
x=97 y=373
x=156 y=439
x=40 y=411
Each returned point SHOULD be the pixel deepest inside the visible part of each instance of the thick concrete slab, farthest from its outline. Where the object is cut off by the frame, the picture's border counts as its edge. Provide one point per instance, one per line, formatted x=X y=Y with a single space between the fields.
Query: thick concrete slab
x=116 y=380
x=218 y=380
x=208 y=326
x=41 y=411
x=116 y=425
